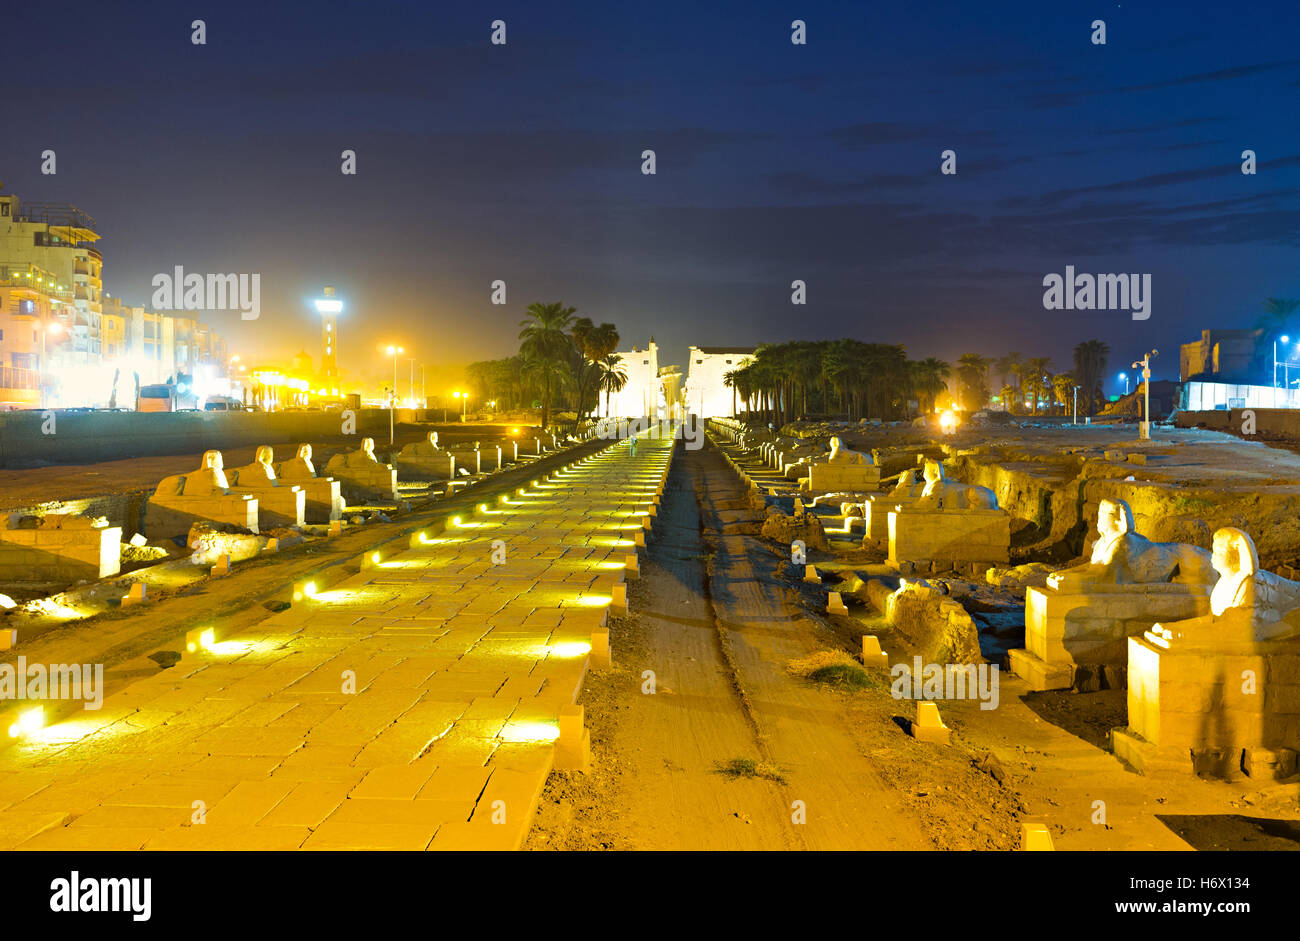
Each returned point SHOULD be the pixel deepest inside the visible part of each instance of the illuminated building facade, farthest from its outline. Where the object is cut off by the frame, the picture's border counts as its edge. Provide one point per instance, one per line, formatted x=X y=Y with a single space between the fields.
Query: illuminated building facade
x=707 y=394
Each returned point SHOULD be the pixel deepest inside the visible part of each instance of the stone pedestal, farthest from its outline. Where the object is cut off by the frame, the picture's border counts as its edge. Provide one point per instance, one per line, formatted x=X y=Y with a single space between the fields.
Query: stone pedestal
x=953 y=536
x=360 y=482
x=1065 y=629
x=875 y=513
x=282 y=505
x=1201 y=706
x=826 y=477
x=324 y=500
x=172 y=515
x=51 y=553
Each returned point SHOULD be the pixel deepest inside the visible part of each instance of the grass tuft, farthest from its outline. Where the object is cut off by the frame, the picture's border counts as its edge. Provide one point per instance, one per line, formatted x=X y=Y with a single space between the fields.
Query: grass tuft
x=749 y=768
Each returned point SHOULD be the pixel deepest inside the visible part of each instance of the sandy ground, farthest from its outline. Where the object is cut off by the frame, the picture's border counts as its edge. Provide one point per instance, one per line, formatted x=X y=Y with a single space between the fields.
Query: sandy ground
x=39 y=486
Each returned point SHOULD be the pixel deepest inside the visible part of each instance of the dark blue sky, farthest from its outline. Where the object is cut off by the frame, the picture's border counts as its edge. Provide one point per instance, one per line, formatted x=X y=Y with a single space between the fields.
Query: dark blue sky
x=775 y=162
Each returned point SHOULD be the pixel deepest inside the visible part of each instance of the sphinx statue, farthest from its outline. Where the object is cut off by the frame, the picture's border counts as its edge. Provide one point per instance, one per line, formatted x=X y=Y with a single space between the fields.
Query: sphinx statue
x=906 y=484
x=204 y=494
x=260 y=473
x=1121 y=556
x=1243 y=584
x=361 y=472
x=1184 y=698
x=300 y=466
x=362 y=457
x=208 y=480
x=422 y=451
x=942 y=494
x=840 y=454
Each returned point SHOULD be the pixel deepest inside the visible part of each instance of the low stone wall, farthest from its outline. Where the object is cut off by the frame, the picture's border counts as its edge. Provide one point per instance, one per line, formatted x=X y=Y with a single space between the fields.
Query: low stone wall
x=1267 y=421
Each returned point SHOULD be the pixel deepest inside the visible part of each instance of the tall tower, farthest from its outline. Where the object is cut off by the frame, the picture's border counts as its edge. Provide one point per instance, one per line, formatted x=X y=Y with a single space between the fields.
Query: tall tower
x=329 y=307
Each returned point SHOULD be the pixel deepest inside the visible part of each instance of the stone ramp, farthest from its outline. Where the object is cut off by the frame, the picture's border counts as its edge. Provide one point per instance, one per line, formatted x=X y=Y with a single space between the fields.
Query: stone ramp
x=414 y=705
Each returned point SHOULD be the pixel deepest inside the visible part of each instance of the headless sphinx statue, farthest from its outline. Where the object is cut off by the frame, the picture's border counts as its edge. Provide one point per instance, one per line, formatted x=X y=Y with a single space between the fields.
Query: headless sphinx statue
x=300 y=467
x=1122 y=557
x=843 y=455
x=260 y=473
x=209 y=480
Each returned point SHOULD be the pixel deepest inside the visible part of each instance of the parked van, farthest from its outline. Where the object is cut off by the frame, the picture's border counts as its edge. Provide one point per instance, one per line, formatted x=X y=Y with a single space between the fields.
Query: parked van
x=157 y=398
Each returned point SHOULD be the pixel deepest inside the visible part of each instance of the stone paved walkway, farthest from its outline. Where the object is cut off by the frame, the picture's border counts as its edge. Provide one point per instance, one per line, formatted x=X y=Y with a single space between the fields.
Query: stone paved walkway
x=414 y=705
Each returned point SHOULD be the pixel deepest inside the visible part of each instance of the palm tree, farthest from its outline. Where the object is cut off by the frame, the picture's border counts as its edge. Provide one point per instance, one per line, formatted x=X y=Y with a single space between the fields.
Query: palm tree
x=972 y=373
x=1277 y=315
x=731 y=379
x=1009 y=365
x=1009 y=395
x=613 y=377
x=545 y=344
x=929 y=378
x=1063 y=390
x=1033 y=378
x=1089 y=370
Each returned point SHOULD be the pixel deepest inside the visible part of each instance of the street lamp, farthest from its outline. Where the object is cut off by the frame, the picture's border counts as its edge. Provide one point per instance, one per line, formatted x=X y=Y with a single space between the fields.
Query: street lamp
x=1144 y=431
x=464 y=407
x=1285 y=372
x=1124 y=376
x=393 y=351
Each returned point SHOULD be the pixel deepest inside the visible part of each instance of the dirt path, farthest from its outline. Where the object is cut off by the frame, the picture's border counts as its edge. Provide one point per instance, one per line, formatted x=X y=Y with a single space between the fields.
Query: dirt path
x=731 y=749
x=658 y=780
x=804 y=729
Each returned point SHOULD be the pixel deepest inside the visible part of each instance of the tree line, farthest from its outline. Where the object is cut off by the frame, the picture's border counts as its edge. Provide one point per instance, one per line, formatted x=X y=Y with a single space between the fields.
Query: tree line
x=563 y=361
x=854 y=379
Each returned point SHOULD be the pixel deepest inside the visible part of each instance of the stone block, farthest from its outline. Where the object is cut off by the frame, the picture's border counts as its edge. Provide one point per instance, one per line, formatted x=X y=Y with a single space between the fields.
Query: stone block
x=872 y=655
x=82 y=552
x=952 y=535
x=928 y=726
x=1064 y=629
x=826 y=477
x=573 y=747
x=600 y=656
x=1270 y=763
x=172 y=515
x=137 y=594
x=1035 y=837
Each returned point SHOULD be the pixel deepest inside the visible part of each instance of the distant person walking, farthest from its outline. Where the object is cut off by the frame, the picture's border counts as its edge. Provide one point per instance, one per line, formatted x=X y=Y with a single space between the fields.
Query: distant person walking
x=632 y=445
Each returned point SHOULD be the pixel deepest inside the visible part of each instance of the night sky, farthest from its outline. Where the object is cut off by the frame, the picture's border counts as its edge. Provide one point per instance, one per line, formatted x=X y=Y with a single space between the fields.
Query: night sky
x=775 y=162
